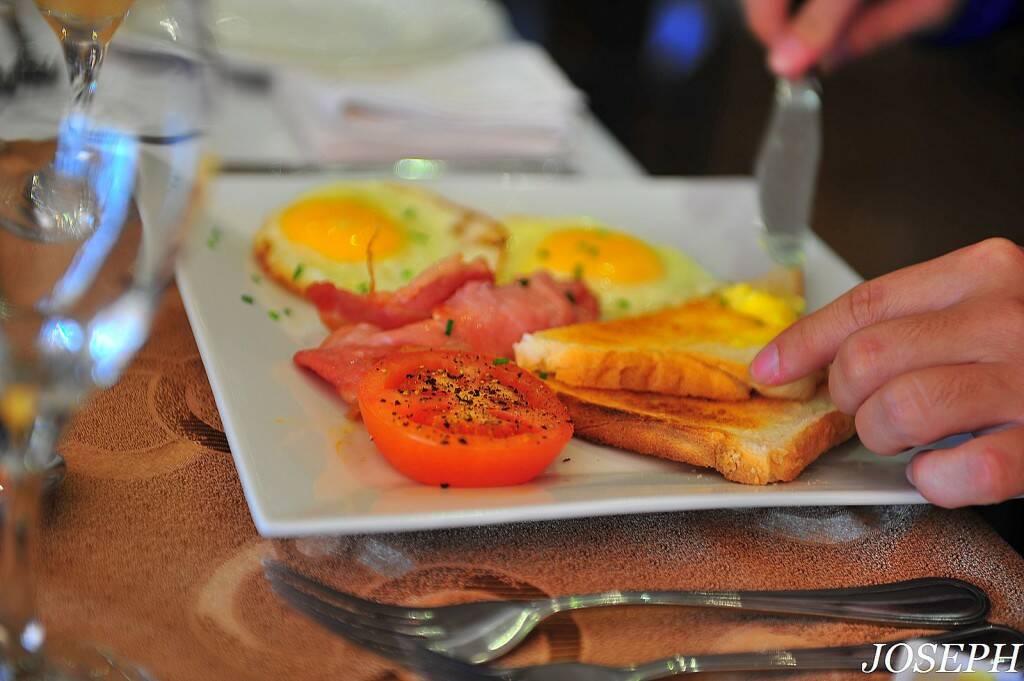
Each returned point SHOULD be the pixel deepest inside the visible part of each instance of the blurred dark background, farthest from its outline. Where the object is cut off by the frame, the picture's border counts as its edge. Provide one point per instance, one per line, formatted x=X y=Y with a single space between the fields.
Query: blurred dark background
x=923 y=142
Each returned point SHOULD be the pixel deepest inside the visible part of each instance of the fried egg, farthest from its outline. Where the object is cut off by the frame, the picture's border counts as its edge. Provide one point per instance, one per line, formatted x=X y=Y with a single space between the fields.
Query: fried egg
x=327 y=234
x=628 y=275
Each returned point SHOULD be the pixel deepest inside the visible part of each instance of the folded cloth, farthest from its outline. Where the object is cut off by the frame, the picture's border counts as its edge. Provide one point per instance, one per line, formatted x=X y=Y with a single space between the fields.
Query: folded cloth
x=507 y=100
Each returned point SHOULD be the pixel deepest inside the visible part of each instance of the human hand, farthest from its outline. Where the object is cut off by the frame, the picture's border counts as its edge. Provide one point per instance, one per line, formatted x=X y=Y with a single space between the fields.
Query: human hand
x=833 y=31
x=922 y=353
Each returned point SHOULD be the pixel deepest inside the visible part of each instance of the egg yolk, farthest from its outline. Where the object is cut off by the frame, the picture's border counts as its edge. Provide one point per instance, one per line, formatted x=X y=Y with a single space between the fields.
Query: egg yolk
x=600 y=254
x=770 y=309
x=341 y=228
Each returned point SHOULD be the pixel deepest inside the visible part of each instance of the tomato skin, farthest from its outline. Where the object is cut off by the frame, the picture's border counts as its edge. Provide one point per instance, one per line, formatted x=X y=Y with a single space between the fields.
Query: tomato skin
x=404 y=415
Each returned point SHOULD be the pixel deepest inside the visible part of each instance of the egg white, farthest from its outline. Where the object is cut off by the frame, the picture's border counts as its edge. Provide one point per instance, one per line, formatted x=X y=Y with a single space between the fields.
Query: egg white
x=432 y=227
x=681 y=278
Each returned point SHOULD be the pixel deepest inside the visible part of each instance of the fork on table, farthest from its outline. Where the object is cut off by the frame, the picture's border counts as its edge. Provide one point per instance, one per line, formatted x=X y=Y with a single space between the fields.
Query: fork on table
x=409 y=651
x=483 y=631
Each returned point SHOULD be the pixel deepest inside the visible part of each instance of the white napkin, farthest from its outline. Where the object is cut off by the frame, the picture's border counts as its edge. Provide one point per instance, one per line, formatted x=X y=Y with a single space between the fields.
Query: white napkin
x=507 y=100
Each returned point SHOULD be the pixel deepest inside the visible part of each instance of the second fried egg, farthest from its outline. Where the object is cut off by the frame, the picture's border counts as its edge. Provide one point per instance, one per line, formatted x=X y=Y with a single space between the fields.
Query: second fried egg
x=628 y=275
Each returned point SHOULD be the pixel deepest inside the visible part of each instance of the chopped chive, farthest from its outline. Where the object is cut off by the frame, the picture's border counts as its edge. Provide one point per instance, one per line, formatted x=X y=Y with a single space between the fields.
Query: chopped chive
x=419 y=237
x=409 y=213
x=247 y=299
x=297 y=272
x=571 y=296
x=543 y=253
x=623 y=304
x=214 y=238
x=407 y=274
x=273 y=314
x=448 y=327
x=543 y=375
x=256 y=278
x=501 y=360
x=363 y=287
x=287 y=312
x=577 y=272
x=524 y=282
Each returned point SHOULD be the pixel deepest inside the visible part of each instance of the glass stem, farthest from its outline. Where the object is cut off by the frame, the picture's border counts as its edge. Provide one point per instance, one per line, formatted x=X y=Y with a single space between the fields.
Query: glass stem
x=84 y=57
x=22 y=637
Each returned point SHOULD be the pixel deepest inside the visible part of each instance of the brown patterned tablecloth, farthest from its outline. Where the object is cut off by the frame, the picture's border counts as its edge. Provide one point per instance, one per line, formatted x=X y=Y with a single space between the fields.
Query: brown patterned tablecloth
x=148 y=549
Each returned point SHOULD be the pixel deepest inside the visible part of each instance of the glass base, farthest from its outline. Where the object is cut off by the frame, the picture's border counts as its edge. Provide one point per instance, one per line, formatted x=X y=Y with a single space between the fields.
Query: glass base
x=53 y=205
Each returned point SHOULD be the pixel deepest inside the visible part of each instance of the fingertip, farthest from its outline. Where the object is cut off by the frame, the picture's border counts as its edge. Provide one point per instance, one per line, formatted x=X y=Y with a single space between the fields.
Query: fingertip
x=910 y=473
x=910 y=470
x=765 y=367
x=789 y=57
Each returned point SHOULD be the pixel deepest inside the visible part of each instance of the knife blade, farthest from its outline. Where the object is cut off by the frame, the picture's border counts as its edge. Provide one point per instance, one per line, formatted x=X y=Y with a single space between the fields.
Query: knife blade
x=787 y=169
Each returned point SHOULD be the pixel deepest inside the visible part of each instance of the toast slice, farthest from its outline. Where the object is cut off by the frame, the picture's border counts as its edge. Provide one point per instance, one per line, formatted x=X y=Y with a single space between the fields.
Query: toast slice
x=756 y=441
x=700 y=349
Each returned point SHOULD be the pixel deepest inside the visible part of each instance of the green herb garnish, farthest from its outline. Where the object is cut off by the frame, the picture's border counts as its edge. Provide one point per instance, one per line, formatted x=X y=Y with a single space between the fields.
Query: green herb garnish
x=407 y=274
x=448 y=327
x=363 y=287
x=273 y=314
x=247 y=299
x=543 y=253
x=501 y=360
x=214 y=238
x=419 y=237
x=524 y=282
x=622 y=304
x=297 y=272
x=409 y=213
x=256 y=278
x=287 y=312
x=543 y=375
x=577 y=272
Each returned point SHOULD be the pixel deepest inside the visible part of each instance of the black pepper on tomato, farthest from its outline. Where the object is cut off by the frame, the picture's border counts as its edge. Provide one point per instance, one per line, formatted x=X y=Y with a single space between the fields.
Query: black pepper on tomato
x=462 y=419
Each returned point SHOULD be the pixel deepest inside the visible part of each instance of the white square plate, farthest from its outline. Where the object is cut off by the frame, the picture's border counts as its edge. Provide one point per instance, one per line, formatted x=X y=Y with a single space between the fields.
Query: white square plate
x=306 y=469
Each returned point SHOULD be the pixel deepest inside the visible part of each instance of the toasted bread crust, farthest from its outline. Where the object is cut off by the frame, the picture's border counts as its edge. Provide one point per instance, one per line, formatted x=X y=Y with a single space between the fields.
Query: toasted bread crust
x=673 y=374
x=702 y=442
x=684 y=373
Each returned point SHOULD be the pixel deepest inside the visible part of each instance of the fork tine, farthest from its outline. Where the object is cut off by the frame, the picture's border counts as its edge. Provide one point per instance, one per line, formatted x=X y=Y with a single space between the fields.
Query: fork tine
x=346 y=600
x=403 y=649
x=363 y=618
x=357 y=621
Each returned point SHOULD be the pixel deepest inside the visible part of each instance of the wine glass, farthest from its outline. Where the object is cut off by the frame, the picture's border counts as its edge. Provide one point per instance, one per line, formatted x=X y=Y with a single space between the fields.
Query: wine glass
x=95 y=191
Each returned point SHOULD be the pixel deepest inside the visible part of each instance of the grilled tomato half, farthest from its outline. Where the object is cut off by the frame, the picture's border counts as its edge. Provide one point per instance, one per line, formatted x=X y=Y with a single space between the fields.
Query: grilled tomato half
x=462 y=419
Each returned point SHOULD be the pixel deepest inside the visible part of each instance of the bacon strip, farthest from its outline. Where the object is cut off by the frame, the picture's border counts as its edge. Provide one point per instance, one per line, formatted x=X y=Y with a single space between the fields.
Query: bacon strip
x=490 y=319
x=485 y=318
x=411 y=303
x=348 y=353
